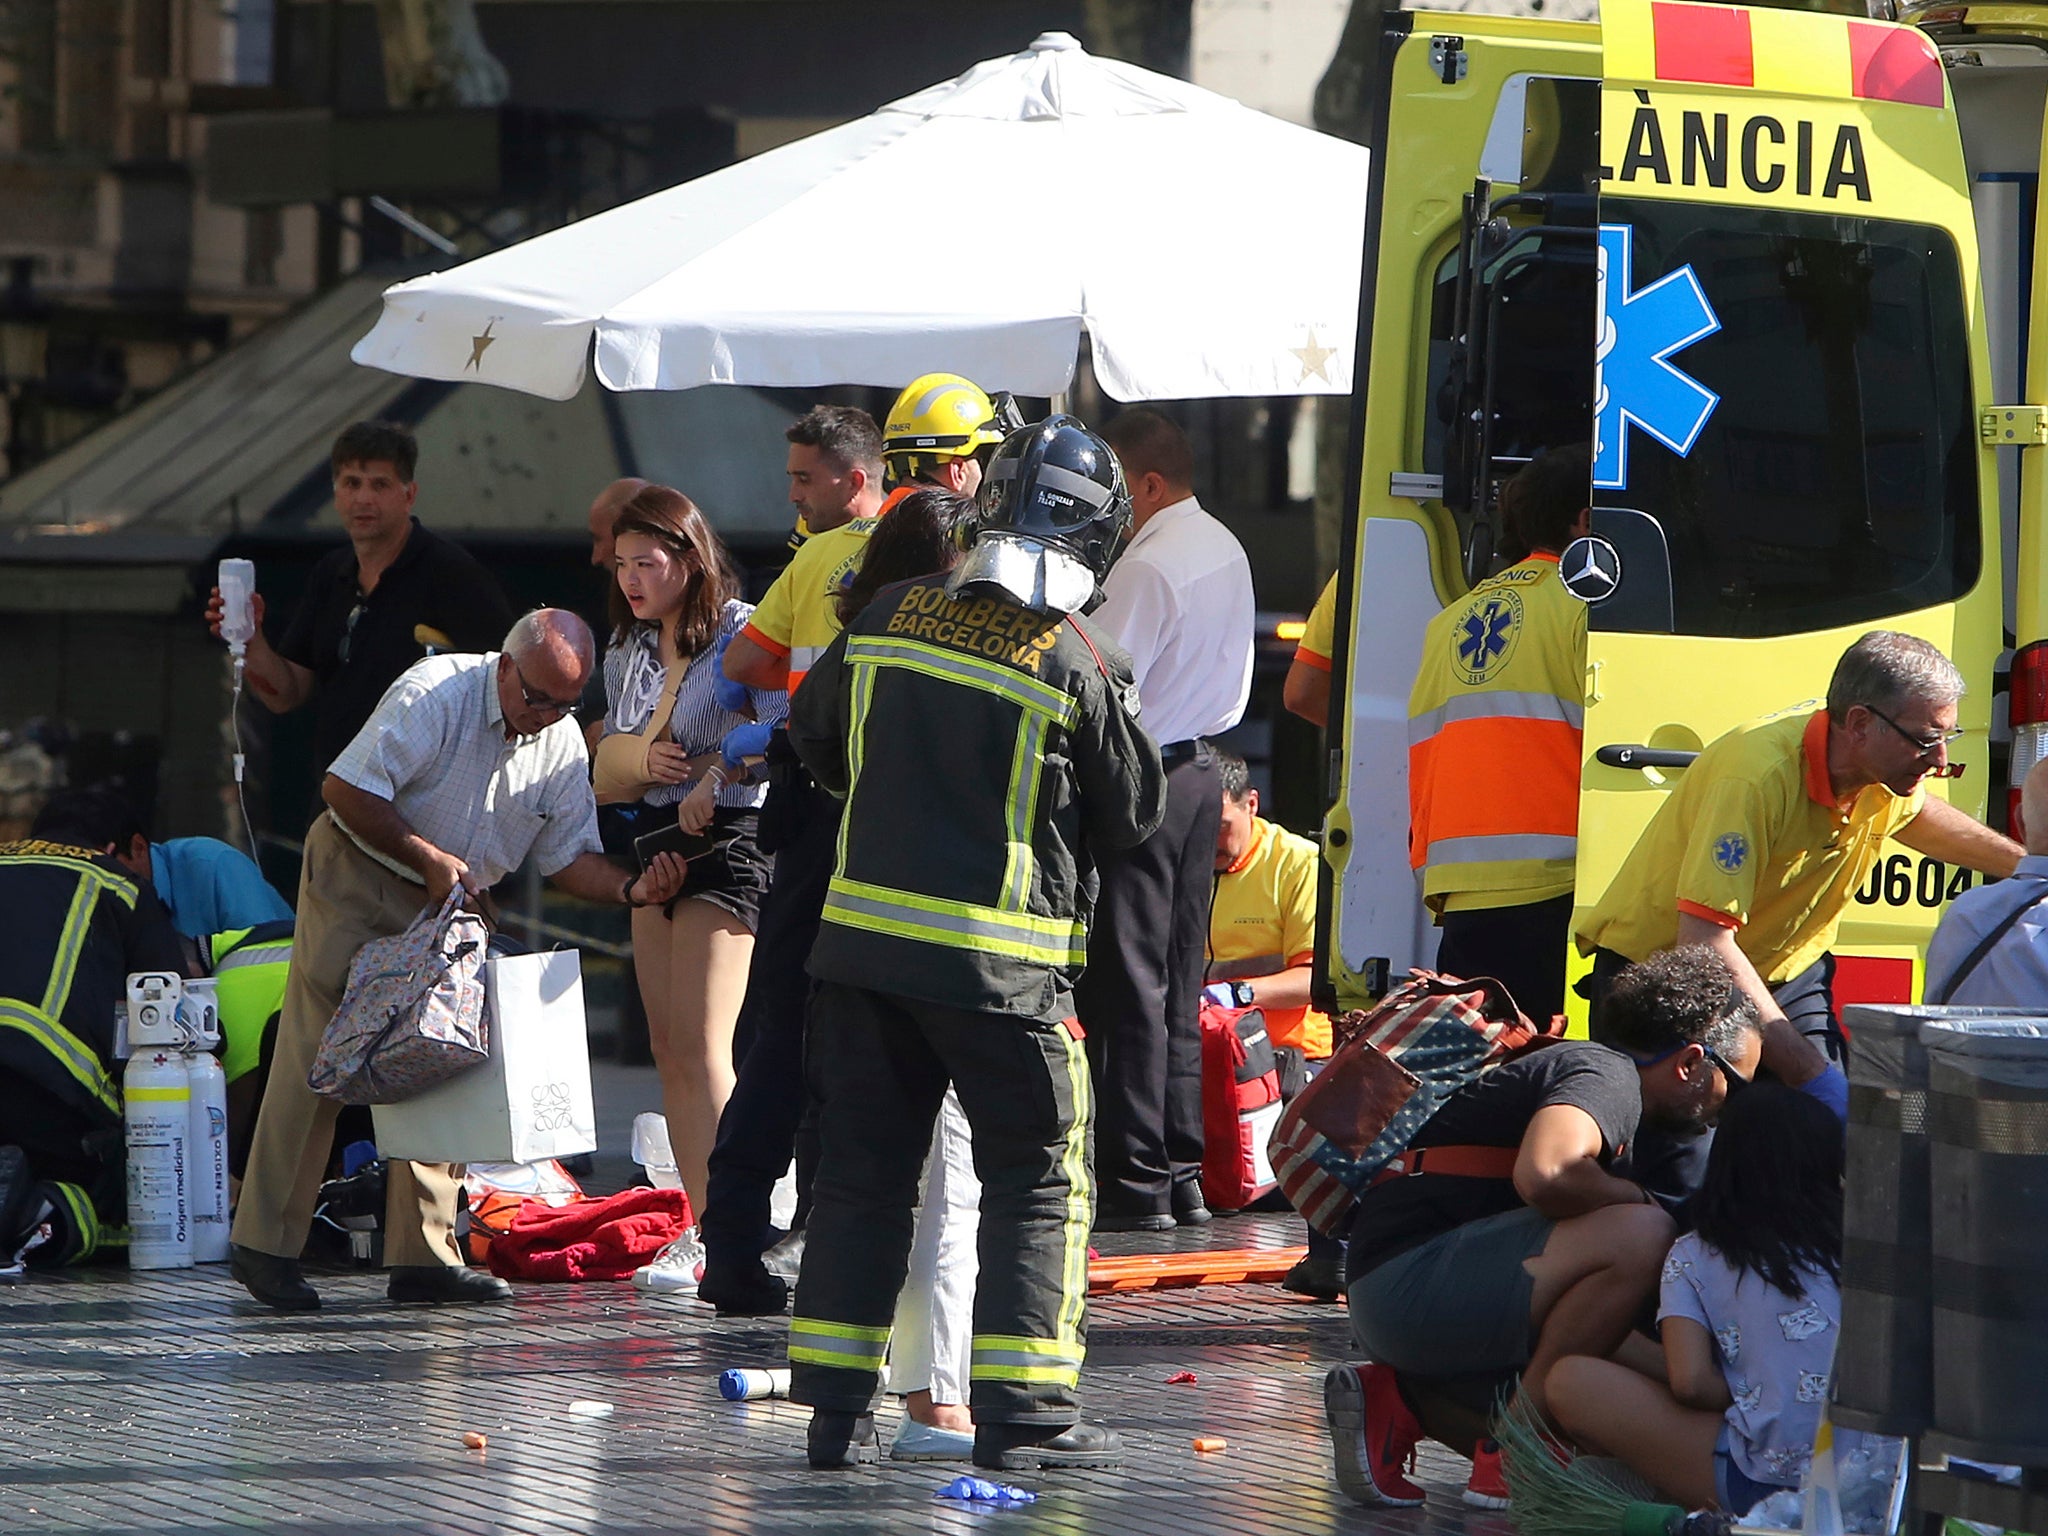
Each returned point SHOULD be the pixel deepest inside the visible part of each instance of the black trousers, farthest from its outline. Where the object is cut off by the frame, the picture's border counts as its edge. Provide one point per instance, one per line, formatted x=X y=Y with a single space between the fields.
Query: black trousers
x=1523 y=948
x=1672 y=1164
x=879 y=1065
x=760 y=1126
x=1141 y=994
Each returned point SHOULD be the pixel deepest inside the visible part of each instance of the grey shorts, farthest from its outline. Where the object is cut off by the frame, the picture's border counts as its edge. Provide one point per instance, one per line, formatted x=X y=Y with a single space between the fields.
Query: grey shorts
x=1457 y=1305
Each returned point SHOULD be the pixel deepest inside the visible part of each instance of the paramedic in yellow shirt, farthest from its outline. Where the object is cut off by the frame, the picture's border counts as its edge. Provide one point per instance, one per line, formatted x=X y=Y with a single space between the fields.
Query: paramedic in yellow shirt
x=1306 y=692
x=1773 y=829
x=1262 y=923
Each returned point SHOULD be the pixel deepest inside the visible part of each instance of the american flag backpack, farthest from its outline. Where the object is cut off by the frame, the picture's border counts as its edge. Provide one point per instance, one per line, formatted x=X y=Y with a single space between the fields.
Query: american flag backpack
x=1422 y=1042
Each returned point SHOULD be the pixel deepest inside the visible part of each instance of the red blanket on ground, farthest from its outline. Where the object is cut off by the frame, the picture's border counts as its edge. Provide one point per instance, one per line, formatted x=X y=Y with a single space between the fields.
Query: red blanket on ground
x=591 y=1240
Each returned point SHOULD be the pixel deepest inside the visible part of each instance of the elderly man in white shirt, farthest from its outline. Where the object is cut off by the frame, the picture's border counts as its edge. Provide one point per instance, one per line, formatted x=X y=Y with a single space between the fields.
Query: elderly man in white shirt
x=1179 y=600
x=467 y=765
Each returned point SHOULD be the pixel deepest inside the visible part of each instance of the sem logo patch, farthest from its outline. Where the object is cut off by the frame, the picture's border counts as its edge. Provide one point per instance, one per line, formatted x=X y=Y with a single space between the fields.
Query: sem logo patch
x=1484 y=637
x=1731 y=851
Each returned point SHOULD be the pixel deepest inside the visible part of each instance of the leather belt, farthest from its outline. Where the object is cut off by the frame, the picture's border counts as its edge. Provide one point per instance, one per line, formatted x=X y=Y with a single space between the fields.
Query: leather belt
x=1460 y=1162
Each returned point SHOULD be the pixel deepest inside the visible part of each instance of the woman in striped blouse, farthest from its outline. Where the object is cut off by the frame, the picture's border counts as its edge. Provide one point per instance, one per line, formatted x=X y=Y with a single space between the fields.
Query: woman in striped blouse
x=672 y=611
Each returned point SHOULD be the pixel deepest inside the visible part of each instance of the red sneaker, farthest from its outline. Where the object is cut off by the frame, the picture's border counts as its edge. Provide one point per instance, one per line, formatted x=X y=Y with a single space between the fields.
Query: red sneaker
x=1373 y=1434
x=1487 y=1488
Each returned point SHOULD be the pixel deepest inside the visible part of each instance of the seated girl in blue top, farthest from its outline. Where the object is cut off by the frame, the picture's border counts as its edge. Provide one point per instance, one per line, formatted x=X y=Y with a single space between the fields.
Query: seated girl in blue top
x=1750 y=1314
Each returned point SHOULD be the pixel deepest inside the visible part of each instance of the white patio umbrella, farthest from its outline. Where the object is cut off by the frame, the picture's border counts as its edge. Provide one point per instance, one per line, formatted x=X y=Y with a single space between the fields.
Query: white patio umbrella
x=1208 y=250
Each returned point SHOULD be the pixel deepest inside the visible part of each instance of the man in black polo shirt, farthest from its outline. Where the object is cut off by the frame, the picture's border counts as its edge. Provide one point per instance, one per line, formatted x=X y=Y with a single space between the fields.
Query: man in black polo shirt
x=353 y=632
x=1501 y=1240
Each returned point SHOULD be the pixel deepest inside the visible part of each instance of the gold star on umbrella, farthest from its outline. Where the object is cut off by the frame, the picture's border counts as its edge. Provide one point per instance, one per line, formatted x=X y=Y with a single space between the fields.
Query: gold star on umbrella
x=1313 y=358
x=480 y=344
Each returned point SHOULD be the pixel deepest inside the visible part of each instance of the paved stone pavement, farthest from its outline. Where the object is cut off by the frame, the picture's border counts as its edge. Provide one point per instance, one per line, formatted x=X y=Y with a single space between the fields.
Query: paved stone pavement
x=172 y=1402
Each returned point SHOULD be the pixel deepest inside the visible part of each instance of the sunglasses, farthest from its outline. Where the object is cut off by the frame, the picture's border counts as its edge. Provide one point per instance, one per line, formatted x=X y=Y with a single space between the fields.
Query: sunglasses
x=540 y=702
x=1736 y=1081
x=348 y=632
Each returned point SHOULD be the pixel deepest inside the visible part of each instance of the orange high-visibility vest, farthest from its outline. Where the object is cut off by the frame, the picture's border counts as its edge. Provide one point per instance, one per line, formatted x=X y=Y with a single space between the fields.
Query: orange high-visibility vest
x=1495 y=725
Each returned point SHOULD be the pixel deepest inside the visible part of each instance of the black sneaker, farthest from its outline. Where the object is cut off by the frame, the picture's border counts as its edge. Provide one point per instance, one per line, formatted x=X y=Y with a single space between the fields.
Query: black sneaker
x=1029 y=1447
x=838 y=1439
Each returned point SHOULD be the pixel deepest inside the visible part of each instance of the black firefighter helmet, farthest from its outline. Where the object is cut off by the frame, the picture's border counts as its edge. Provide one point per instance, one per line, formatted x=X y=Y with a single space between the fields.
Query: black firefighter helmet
x=1052 y=513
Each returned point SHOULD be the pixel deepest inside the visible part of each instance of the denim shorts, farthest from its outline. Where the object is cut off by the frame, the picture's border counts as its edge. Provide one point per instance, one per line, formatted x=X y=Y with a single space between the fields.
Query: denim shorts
x=1457 y=1305
x=1736 y=1490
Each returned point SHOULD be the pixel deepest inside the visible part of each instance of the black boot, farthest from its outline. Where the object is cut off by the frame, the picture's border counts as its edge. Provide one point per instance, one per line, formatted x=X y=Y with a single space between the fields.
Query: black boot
x=1315 y=1276
x=1027 y=1447
x=274 y=1281
x=838 y=1439
x=17 y=1201
x=757 y=1295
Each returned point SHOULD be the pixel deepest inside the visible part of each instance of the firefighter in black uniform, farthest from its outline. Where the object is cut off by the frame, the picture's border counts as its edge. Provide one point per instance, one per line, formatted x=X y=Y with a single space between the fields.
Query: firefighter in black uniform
x=987 y=744
x=77 y=924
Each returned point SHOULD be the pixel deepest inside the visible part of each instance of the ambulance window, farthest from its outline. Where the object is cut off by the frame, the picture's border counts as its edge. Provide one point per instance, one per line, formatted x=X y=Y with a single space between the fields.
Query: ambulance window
x=1543 y=386
x=1836 y=480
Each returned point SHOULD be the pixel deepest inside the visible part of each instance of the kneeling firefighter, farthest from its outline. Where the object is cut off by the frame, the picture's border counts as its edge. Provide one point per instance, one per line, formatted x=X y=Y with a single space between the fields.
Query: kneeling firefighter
x=985 y=739
x=77 y=924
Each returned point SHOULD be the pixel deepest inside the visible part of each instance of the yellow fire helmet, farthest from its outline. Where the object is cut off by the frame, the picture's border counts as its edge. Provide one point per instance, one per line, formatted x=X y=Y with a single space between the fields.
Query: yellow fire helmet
x=940 y=416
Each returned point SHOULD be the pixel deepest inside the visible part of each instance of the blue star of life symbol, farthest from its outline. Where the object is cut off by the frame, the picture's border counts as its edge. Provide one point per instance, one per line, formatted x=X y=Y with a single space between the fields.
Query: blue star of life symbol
x=1486 y=636
x=1483 y=635
x=1731 y=851
x=1634 y=379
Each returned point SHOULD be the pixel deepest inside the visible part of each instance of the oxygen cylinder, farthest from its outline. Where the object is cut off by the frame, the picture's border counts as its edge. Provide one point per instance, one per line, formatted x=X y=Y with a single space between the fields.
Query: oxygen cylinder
x=158 y=1090
x=207 y=1158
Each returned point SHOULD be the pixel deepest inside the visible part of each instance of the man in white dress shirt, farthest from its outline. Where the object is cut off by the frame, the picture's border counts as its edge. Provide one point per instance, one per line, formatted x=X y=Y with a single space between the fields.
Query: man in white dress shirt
x=1179 y=600
x=467 y=765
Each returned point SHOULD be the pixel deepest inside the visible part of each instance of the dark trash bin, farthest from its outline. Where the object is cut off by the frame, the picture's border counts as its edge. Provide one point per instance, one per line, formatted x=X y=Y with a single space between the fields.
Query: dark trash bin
x=1884 y=1369
x=1988 y=1125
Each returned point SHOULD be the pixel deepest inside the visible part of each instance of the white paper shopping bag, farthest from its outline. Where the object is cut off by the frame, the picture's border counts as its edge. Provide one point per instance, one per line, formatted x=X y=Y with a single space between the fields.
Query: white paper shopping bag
x=532 y=1099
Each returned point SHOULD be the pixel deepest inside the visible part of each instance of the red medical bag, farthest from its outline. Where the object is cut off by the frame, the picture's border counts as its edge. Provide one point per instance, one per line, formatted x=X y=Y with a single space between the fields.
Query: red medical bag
x=1240 y=1104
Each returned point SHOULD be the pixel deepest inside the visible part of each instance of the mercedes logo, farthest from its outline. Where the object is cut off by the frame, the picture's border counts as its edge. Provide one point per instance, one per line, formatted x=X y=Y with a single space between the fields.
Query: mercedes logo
x=1590 y=569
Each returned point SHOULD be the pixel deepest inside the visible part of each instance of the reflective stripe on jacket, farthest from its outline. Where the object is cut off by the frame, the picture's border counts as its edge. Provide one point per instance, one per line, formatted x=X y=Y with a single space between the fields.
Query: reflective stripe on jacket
x=1495 y=731
x=986 y=753
x=77 y=924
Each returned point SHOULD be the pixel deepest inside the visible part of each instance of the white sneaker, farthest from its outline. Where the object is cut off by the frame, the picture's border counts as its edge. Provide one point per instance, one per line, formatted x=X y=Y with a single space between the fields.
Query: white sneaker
x=676 y=1269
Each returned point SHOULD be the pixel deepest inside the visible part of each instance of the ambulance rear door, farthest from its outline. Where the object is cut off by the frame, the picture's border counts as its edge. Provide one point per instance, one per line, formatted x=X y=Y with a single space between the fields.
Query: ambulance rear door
x=1483 y=139
x=1787 y=448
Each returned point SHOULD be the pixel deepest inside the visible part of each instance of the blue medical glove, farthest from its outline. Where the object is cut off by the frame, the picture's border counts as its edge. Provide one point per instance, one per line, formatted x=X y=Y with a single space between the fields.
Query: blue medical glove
x=744 y=741
x=1219 y=993
x=732 y=697
x=1832 y=1089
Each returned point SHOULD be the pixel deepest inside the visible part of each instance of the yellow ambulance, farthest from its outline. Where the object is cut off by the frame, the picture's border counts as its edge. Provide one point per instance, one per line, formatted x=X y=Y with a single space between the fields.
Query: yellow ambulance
x=1736 y=249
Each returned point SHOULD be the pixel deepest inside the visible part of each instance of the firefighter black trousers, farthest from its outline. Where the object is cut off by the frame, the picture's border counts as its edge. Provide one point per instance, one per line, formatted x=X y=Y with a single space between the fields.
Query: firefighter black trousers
x=1141 y=996
x=879 y=1065
x=760 y=1125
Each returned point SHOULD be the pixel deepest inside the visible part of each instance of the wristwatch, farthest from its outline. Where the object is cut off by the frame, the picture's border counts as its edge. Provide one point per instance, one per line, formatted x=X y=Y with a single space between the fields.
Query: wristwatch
x=1241 y=994
x=626 y=891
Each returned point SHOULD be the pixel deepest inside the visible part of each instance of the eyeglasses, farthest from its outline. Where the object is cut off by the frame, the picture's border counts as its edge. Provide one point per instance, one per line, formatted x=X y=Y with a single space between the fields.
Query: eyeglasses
x=540 y=702
x=1925 y=748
